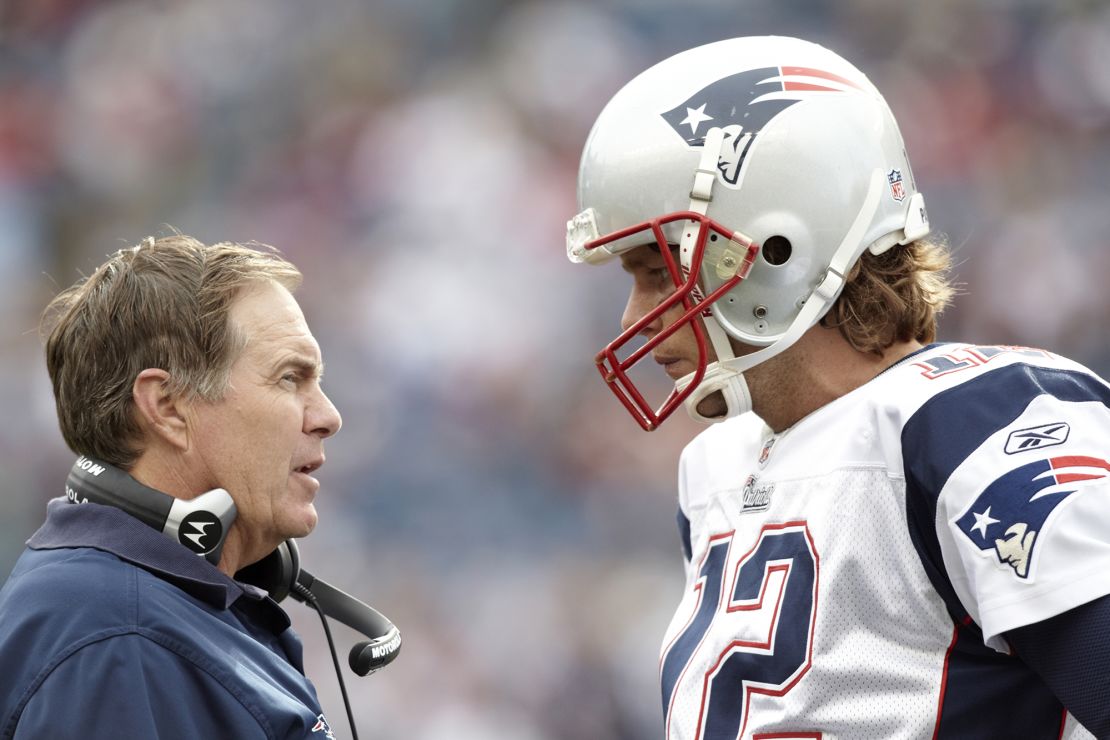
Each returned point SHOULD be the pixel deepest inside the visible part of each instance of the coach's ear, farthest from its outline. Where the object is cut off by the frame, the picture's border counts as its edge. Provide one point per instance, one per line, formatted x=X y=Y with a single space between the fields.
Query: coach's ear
x=158 y=413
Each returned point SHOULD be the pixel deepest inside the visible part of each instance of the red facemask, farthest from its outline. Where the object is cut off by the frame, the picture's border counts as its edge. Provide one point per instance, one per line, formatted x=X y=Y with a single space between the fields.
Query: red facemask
x=689 y=294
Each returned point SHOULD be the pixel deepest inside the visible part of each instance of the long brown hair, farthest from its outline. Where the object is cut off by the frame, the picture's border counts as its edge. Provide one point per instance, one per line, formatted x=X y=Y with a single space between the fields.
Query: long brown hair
x=893 y=297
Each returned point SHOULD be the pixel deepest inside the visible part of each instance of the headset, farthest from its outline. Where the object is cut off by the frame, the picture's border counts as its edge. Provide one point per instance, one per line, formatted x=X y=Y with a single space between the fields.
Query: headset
x=201 y=525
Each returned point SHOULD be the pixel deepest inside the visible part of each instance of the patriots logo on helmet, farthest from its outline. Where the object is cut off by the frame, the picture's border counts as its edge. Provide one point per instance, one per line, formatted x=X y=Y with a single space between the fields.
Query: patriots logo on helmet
x=743 y=104
x=1009 y=516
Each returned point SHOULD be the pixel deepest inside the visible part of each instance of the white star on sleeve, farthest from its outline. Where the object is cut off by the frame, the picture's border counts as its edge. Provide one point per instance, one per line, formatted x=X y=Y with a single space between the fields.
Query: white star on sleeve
x=982 y=521
x=695 y=117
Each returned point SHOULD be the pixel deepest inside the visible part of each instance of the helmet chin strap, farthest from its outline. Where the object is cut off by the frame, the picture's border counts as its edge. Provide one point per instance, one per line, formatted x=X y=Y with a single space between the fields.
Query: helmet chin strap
x=718 y=379
x=726 y=375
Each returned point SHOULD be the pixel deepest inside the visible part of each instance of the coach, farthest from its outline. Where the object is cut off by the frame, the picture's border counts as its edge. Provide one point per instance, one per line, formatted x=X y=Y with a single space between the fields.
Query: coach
x=177 y=368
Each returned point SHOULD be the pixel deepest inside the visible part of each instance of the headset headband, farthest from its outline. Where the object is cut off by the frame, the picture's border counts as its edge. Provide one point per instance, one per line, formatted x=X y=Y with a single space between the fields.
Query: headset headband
x=200 y=524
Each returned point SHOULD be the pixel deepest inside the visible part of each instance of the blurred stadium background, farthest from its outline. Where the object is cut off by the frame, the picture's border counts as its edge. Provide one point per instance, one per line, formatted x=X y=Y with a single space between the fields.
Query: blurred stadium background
x=417 y=159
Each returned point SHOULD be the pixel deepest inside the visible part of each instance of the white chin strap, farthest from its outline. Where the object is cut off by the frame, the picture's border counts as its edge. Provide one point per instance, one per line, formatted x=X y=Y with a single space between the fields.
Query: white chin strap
x=718 y=379
x=726 y=375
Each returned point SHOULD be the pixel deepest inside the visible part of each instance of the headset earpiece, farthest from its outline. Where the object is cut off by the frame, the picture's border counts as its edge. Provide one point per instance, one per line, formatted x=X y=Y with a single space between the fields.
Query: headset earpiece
x=276 y=573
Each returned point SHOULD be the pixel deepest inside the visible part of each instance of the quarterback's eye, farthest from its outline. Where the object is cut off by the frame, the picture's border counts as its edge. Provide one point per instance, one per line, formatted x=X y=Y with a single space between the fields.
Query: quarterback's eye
x=663 y=273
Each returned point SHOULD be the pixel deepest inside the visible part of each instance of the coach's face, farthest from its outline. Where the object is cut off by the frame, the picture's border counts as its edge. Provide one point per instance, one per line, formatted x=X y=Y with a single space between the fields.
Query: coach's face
x=264 y=438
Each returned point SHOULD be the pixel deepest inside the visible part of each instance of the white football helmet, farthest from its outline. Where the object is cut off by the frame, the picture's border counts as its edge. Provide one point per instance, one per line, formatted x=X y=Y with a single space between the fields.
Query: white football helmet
x=773 y=164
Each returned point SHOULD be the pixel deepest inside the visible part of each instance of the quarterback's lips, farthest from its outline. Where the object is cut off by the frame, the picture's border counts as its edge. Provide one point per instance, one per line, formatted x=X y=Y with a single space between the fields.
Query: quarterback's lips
x=670 y=365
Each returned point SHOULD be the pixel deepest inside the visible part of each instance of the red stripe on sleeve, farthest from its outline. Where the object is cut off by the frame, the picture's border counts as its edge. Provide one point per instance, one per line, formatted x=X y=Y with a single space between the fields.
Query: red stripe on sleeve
x=1073 y=477
x=1078 y=461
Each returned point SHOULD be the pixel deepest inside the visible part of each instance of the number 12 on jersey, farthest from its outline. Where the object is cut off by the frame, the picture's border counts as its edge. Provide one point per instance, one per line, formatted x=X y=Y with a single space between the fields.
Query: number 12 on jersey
x=760 y=631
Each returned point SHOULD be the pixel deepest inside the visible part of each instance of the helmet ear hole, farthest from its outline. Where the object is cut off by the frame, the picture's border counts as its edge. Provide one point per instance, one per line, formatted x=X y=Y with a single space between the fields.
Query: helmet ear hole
x=776 y=250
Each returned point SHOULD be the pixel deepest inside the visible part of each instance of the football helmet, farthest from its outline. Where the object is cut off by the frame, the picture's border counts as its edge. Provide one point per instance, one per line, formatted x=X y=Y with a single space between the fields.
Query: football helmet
x=772 y=164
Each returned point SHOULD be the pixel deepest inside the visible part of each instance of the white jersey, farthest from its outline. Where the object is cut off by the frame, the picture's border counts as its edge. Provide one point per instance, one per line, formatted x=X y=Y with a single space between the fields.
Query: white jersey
x=855 y=575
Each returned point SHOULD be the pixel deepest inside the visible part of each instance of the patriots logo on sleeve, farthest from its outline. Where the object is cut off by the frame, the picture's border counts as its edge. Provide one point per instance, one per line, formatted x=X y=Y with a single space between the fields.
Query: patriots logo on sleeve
x=743 y=104
x=1009 y=516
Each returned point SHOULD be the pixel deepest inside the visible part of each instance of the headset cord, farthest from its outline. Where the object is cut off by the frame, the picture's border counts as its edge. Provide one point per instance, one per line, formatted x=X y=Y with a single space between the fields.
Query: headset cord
x=310 y=599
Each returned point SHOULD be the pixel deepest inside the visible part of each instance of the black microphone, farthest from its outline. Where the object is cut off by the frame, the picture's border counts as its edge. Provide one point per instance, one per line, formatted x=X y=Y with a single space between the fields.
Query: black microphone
x=365 y=657
x=280 y=574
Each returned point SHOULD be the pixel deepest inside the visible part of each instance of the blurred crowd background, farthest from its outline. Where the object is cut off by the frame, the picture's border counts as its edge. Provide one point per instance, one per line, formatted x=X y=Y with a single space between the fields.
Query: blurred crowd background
x=417 y=158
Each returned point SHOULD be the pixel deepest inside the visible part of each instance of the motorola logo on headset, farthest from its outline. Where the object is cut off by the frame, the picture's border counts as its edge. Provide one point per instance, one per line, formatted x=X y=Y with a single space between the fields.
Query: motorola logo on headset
x=89 y=466
x=200 y=531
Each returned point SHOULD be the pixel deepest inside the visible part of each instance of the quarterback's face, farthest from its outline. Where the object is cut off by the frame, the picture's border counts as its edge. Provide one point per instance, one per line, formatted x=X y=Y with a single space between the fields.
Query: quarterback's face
x=651 y=285
x=264 y=438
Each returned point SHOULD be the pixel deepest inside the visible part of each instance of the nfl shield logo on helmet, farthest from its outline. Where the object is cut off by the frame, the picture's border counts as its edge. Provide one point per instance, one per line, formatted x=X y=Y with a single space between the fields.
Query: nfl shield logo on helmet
x=897 y=187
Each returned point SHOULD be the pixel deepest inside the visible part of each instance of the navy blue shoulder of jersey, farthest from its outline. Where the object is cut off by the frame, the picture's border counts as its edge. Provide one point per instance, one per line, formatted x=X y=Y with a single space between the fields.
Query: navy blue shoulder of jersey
x=950 y=426
x=935 y=441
